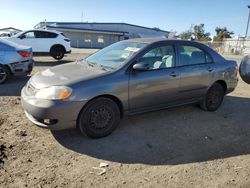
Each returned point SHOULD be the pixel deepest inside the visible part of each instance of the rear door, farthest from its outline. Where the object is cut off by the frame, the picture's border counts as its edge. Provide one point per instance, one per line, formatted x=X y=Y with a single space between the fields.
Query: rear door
x=45 y=40
x=158 y=86
x=197 y=70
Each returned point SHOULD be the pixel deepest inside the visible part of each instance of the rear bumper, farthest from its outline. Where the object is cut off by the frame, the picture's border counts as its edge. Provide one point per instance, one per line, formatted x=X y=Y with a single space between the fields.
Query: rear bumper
x=68 y=52
x=22 y=68
x=231 y=85
x=61 y=114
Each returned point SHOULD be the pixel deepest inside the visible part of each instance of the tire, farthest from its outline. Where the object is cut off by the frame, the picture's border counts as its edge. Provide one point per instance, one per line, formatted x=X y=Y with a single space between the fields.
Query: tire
x=214 y=98
x=99 y=118
x=57 y=52
x=4 y=74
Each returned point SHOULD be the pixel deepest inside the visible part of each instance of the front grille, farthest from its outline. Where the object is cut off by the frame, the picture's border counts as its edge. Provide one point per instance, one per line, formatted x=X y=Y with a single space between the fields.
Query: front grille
x=30 y=89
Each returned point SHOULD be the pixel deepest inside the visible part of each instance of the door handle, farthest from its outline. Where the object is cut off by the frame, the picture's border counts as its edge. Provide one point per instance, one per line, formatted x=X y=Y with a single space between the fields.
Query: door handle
x=210 y=69
x=173 y=74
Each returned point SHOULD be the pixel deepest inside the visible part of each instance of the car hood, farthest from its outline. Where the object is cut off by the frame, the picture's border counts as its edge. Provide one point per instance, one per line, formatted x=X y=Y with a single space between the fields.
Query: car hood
x=65 y=74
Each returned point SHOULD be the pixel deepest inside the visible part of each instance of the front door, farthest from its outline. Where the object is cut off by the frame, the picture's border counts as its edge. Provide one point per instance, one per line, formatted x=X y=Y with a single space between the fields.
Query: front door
x=28 y=39
x=157 y=86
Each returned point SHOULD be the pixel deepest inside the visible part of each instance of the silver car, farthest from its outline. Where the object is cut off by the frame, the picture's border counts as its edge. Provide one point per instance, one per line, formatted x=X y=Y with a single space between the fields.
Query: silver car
x=126 y=78
x=14 y=60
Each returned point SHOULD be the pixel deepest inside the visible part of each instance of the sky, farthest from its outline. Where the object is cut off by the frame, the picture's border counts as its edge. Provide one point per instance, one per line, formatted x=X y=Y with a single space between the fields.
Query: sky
x=176 y=15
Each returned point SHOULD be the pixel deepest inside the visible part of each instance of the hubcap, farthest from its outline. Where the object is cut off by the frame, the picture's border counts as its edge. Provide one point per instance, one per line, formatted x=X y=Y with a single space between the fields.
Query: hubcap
x=58 y=55
x=100 y=118
x=2 y=74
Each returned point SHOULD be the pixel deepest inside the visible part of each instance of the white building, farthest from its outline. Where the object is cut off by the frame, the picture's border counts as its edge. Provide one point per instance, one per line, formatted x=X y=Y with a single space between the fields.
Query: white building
x=99 y=35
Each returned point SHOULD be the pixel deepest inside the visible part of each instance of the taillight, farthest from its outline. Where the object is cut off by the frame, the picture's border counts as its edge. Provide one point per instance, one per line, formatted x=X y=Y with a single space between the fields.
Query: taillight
x=67 y=40
x=24 y=53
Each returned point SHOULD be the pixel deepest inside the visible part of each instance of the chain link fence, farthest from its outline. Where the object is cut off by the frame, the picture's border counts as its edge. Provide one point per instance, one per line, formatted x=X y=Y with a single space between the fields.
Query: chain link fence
x=236 y=47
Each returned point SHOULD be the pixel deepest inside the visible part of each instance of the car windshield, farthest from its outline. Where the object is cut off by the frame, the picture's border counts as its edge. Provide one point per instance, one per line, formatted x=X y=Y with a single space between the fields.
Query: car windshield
x=115 y=55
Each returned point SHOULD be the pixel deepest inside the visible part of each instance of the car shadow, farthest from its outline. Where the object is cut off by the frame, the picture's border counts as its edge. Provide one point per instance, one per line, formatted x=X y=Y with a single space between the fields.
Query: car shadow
x=174 y=136
x=13 y=86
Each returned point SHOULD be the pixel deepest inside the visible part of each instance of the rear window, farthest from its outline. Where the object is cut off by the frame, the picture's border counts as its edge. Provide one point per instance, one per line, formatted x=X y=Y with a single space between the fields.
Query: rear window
x=3 y=46
x=62 y=34
x=8 y=43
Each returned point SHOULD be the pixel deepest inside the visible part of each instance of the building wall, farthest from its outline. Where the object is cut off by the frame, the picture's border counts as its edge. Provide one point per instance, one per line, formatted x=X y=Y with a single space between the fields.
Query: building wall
x=89 y=35
x=90 y=40
x=236 y=46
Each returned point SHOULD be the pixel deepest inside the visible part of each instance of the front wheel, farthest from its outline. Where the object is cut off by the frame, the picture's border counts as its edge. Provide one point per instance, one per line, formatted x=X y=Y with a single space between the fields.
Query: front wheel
x=4 y=74
x=99 y=118
x=213 y=98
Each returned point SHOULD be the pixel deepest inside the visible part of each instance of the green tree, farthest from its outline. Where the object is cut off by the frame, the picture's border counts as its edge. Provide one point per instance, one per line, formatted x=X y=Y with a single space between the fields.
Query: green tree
x=186 y=35
x=222 y=33
x=200 y=34
x=196 y=32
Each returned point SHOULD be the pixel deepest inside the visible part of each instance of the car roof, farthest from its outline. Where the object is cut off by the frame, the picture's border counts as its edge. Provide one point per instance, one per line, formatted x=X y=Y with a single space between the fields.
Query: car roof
x=149 y=41
x=153 y=40
x=42 y=30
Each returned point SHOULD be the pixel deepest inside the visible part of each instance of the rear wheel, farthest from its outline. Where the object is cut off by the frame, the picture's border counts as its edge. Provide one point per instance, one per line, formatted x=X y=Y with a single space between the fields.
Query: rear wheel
x=213 y=98
x=57 y=52
x=99 y=118
x=4 y=74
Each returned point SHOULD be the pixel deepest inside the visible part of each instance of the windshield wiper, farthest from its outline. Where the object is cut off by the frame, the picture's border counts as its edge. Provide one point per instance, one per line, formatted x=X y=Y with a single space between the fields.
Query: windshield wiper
x=106 y=68
x=83 y=61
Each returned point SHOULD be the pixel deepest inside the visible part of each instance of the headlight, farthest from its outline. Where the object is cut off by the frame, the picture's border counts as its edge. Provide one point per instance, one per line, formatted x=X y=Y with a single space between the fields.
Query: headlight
x=54 y=93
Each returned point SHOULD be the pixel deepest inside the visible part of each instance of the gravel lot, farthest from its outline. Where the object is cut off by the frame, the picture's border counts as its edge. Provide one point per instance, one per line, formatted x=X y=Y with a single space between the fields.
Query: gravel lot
x=179 y=147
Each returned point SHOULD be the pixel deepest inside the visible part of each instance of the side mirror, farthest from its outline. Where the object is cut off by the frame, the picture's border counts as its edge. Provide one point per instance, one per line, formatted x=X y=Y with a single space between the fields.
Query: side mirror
x=141 y=67
x=21 y=37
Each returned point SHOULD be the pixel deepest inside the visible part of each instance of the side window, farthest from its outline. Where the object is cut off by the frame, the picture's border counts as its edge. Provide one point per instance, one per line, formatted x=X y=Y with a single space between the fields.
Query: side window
x=44 y=34
x=29 y=34
x=156 y=52
x=190 y=55
x=159 y=58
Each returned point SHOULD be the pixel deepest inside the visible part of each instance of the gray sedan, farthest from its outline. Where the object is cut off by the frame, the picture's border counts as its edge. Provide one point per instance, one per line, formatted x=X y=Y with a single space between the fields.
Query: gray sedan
x=126 y=78
x=14 y=60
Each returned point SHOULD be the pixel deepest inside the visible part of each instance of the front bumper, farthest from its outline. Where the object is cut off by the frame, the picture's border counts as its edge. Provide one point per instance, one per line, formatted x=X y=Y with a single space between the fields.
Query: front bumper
x=63 y=114
x=22 y=68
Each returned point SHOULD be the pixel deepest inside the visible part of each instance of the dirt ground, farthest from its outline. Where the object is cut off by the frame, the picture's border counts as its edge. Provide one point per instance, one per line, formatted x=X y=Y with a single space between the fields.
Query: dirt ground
x=179 y=147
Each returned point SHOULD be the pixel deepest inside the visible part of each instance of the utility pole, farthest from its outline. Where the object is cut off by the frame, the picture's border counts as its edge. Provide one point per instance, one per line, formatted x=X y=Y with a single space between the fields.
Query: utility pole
x=244 y=39
x=248 y=21
x=82 y=17
x=45 y=24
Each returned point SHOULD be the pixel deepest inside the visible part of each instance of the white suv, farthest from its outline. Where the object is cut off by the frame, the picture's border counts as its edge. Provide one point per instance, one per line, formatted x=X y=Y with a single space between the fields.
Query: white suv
x=44 y=42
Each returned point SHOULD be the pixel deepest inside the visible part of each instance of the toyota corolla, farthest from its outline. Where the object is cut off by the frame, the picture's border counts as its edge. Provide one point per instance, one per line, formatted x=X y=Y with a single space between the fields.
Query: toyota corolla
x=128 y=77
